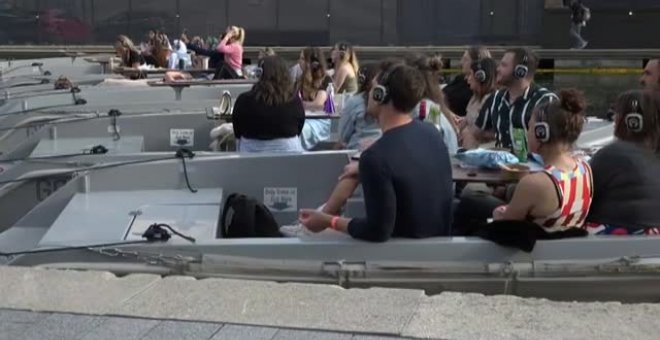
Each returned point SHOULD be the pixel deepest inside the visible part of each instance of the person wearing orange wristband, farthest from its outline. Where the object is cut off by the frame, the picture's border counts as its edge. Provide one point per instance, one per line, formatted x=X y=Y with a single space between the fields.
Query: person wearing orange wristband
x=406 y=175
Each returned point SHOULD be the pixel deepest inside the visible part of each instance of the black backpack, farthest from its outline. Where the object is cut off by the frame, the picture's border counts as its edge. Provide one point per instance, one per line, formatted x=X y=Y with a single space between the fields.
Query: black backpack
x=247 y=218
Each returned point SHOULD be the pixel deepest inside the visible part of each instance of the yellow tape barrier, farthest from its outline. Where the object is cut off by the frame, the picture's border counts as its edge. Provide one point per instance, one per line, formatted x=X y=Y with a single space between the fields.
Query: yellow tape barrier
x=578 y=71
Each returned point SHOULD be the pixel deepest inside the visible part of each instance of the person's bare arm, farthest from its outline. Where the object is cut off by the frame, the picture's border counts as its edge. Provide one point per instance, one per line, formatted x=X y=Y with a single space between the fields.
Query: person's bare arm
x=340 y=77
x=534 y=196
x=472 y=137
x=318 y=103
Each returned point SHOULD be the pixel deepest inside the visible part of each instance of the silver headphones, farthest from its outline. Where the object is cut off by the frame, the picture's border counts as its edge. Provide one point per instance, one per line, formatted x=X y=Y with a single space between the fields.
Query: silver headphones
x=635 y=120
x=522 y=70
x=541 y=127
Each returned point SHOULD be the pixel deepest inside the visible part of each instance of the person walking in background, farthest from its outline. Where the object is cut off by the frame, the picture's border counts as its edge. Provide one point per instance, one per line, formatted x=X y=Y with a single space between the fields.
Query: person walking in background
x=580 y=15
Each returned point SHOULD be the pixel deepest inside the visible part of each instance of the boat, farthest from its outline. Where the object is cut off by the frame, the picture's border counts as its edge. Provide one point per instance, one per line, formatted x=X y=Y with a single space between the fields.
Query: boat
x=152 y=203
x=96 y=222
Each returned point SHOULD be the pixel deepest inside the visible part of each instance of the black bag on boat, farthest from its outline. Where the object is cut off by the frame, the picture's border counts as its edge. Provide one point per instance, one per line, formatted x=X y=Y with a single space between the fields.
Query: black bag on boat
x=245 y=217
x=522 y=234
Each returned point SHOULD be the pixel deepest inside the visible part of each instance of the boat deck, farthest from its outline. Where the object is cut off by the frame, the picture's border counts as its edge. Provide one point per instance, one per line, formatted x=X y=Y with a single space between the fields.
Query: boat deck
x=53 y=304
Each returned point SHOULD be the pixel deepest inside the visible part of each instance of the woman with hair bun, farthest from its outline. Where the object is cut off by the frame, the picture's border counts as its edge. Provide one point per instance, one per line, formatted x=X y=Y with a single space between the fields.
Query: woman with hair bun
x=559 y=197
x=433 y=108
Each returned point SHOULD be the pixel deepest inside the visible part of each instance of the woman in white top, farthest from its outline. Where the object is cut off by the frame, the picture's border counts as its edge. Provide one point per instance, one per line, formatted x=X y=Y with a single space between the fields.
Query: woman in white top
x=482 y=81
x=433 y=109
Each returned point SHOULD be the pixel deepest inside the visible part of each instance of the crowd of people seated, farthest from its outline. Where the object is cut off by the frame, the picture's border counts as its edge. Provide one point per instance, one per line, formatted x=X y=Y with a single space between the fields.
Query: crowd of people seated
x=406 y=126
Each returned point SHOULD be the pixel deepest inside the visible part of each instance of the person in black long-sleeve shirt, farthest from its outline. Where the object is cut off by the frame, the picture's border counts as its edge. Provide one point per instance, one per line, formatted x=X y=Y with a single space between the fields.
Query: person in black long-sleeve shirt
x=406 y=174
x=269 y=117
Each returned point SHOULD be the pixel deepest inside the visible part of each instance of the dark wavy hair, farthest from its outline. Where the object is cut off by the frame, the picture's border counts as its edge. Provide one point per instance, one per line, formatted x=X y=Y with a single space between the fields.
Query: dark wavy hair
x=275 y=86
x=489 y=66
x=366 y=75
x=648 y=105
x=431 y=68
x=313 y=72
x=564 y=116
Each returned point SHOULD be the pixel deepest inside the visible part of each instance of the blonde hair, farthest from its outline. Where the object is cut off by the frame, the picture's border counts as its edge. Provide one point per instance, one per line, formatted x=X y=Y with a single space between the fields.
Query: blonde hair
x=349 y=55
x=239 y=37
x=267 y=52
x=126 y=42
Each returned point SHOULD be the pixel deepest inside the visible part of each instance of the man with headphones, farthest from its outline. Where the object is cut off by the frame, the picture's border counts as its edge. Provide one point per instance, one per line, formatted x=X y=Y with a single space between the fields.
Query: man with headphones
x=508 y=111
x=406 y=175
x=651 y=77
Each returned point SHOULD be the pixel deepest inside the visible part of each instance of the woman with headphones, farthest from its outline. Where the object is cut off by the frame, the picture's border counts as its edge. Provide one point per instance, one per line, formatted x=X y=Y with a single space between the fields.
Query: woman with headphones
x=346 y=68
x=482 y=81
x=432 y=108
x=627 y=172
x=357 y=130
x=311 y=88
x=559 y=197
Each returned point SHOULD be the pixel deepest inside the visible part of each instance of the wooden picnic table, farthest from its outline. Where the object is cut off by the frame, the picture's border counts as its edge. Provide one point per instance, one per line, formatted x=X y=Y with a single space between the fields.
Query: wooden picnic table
x=104 y=62
x=129 y=71
x=470 y=175
x=478 y=175
x=179 y=85
x=308 y=115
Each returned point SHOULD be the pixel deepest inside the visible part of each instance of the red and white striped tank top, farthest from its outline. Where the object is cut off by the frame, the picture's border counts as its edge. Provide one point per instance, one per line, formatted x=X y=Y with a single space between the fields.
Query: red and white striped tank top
x=575 y=192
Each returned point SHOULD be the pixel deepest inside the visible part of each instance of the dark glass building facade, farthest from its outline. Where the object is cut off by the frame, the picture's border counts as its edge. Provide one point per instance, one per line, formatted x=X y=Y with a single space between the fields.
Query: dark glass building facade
x=615 y=23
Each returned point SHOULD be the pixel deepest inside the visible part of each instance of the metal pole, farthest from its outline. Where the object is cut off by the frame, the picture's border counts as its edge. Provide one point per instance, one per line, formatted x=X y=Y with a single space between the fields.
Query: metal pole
x=178 y=15
x=93 y=20
x=328 y=21
x=226 y=16
x=382 y=22
x=277 y=21
x=129 y=16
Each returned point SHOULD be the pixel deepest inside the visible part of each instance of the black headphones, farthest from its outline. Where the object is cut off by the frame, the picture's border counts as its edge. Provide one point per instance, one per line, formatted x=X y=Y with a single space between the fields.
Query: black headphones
x=362 y=75
x=380 y=93
x=480 y=74
x=522 y=70
x=541 y=127
x=635 y=120
x=343 y=48
x=259 y=70
x=314 y=62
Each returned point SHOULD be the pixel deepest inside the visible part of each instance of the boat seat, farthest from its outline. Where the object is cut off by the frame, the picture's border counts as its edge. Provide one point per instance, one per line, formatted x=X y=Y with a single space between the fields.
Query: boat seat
x=125 y=215
x=355 y=208
x=61 y=146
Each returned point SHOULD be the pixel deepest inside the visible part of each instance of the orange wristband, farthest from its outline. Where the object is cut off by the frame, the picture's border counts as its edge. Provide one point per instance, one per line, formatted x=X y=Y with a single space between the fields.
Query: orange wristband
x=333 y=222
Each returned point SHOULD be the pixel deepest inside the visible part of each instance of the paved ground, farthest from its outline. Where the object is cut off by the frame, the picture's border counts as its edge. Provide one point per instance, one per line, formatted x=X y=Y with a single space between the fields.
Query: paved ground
x=99 y=305
x=26 y=325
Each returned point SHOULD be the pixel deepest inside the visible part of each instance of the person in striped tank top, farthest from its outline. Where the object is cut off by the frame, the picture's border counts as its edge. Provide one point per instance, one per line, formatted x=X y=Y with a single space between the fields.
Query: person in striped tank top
x=559 y=197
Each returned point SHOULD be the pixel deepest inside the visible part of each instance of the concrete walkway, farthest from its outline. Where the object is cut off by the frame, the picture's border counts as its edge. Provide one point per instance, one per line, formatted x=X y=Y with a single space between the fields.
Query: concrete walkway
x=99 y=305
x=46 y=326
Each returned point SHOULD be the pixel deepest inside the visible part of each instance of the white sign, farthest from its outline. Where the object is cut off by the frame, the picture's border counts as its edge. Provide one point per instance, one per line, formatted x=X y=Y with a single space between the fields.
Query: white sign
x=182 y=137
x=281 y=199
x=113 y=129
